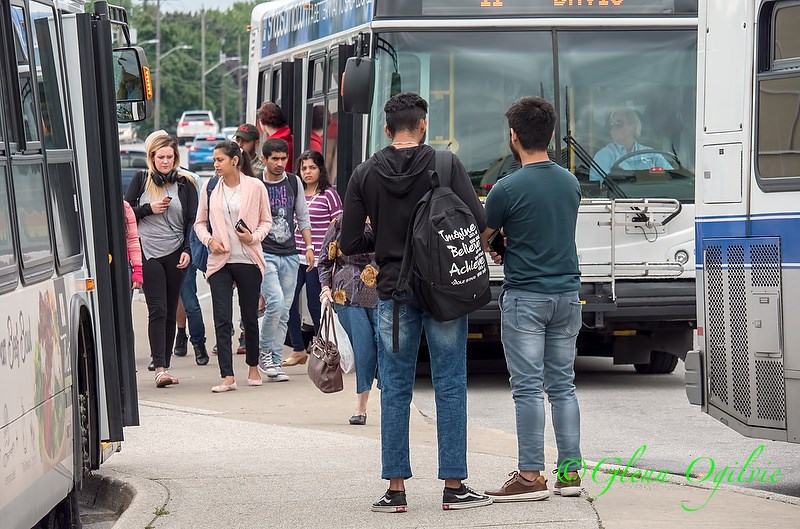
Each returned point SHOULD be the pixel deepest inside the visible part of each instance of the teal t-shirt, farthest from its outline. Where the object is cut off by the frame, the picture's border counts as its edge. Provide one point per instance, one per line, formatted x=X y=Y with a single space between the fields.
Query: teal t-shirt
x=537 y=207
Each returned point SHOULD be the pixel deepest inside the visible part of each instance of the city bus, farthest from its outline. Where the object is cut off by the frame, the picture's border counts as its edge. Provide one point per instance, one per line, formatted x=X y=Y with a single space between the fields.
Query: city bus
x=600 y=62
x=745 y=367
x=67 y=374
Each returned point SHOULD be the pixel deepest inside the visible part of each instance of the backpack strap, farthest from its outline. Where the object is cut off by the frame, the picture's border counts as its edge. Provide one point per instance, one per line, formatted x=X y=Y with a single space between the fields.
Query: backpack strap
x=292 y=178
x=209 y=188
x=401 y=294
x=443 y=167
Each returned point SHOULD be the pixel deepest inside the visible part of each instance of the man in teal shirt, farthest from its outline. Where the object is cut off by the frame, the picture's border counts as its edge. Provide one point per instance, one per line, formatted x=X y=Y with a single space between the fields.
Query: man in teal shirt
x=537 y=209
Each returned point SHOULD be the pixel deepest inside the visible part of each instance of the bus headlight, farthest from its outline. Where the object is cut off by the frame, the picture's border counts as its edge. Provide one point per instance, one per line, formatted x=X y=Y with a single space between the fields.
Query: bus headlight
x=682 y=257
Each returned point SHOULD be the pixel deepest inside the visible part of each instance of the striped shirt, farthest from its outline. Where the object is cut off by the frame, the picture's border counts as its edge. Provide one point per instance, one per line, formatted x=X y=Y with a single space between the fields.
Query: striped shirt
x=322 y=209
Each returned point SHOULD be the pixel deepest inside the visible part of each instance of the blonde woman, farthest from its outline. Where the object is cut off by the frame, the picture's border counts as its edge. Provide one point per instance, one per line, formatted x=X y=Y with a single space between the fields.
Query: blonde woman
x=165 y=204
x=232 y=224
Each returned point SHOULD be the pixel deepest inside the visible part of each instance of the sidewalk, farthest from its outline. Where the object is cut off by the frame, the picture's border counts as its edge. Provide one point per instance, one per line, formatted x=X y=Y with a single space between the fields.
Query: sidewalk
x=283 y=455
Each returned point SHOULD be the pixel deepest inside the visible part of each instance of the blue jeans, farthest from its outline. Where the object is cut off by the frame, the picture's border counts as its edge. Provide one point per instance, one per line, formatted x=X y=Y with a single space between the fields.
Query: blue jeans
x=359 y=323
x=191 y=305
x=447 y=342
x=277 y=287
x=539 y=332
x=313 y=289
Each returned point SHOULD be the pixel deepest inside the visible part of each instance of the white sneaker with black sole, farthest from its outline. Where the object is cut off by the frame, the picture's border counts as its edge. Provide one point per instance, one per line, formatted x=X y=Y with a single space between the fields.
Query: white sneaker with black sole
x=463 y=498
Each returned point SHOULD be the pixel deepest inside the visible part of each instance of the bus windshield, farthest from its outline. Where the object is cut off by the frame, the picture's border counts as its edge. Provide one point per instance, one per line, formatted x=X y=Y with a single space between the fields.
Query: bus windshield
x=625 y=99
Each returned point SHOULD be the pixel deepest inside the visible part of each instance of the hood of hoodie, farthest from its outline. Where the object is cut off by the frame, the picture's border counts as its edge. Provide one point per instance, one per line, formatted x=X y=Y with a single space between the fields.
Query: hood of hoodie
x=399 y=169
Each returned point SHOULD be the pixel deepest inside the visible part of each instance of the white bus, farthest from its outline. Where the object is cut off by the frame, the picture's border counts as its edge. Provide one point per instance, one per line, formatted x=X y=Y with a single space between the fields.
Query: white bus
x=67 y=375
x=630 y=60
x=745 y=369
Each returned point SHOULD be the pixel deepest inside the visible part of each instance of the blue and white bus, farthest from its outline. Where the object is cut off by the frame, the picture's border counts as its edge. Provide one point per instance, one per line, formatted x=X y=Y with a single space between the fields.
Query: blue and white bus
x=67 y=374
x=745 y=368
x=604 y=63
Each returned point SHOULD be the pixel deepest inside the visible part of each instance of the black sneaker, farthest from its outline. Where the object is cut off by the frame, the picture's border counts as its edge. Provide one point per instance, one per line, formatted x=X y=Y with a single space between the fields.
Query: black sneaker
x=181 y=343
x=392 y=501
x=200 y=354
x=463 y=498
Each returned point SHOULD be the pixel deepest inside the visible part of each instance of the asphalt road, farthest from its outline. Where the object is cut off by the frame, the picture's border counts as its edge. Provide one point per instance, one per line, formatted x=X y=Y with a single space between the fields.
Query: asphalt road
x=622 y=411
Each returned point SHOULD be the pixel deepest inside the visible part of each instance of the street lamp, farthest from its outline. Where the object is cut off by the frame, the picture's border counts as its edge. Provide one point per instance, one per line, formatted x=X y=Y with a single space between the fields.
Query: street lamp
x=157 y=111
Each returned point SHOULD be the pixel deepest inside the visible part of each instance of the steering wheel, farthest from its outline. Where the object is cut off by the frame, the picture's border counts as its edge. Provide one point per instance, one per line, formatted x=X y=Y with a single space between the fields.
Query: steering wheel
x=616 y=169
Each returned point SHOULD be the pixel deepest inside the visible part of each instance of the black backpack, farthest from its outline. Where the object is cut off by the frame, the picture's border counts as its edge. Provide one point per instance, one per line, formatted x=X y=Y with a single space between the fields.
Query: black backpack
x=444 y=265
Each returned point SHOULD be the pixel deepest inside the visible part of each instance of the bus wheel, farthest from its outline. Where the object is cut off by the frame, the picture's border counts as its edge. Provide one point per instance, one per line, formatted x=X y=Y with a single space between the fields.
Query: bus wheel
x=661 y=363
x=65 y=515
x=87 y=406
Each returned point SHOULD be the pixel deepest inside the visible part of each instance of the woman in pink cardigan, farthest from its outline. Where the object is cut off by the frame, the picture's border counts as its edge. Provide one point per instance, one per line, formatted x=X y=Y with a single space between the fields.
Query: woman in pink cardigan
x=134 y=249
x=232 y=226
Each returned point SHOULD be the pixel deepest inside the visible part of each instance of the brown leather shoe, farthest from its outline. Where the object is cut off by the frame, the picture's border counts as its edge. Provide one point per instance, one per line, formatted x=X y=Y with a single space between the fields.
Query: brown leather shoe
x=520 y=489
x=568 y=484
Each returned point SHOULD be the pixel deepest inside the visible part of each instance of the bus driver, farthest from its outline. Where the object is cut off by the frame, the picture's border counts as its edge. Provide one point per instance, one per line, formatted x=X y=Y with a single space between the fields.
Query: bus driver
x=625 y=127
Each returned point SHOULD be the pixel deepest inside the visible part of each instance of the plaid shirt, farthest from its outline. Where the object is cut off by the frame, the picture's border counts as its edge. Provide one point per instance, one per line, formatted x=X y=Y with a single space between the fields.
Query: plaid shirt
x=258 y=166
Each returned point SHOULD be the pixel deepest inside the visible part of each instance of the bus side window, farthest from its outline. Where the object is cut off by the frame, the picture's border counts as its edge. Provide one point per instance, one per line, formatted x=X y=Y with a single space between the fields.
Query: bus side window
x=48 y=76
x=25 y=75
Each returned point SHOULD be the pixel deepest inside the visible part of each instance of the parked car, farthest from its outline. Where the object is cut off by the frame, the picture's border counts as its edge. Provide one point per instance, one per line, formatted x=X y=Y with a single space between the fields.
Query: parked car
x=201 y=152
x=132 y=161
x=228 y=132
x=127 y=132
x=196 y=123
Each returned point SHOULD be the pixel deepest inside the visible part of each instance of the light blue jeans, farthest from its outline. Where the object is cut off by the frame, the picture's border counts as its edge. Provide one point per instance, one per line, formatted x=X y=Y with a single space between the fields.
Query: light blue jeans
x=539 y=332
x=447 y=342
x=359 y=323
x=277 y=287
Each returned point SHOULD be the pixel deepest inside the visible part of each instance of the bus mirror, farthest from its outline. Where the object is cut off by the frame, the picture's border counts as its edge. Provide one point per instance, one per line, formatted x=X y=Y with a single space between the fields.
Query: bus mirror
x=358 y=84
x=132 y=84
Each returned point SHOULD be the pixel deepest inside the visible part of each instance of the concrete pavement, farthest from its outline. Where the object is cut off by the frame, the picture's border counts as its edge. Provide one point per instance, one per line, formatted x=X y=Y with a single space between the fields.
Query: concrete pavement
x=283 y=455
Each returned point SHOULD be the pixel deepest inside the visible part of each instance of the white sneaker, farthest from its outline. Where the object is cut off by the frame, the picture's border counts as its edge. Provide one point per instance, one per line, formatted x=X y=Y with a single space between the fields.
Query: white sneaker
x=279 y=376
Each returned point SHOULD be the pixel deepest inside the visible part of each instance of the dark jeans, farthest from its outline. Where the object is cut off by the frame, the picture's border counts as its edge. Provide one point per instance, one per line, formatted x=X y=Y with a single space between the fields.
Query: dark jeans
x=162 y=285
x=313 y=289
x=248 y=283
x=191 y=305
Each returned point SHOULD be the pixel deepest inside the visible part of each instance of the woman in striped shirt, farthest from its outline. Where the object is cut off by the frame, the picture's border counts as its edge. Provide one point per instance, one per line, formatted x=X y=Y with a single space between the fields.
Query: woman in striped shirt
x=324 y=205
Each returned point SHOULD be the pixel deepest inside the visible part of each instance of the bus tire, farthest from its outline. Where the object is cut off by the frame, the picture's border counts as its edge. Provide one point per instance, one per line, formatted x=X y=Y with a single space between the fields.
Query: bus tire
x=661 y=363
x=87 y=403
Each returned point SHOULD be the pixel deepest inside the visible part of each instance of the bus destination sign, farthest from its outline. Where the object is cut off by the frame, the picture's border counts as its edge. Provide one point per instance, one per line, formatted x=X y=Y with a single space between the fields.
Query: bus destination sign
x=532 y=8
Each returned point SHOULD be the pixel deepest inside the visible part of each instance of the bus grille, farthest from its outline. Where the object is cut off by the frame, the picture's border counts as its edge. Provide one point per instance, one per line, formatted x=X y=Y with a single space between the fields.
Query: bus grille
x=744 y=342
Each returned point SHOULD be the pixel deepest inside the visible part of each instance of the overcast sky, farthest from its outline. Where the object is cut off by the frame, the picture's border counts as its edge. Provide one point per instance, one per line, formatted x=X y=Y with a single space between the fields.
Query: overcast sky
x=168 y=6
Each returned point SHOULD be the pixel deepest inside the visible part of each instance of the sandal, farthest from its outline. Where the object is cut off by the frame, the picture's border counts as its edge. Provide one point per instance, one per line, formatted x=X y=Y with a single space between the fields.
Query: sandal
x=164 y=379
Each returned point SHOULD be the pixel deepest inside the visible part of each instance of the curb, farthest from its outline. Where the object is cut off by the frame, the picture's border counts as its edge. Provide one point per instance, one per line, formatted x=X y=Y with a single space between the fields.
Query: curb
x=628 y=471
x=134 y=499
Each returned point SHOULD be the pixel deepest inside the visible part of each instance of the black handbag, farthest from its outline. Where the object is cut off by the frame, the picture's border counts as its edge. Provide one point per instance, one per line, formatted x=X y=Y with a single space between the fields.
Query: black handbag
x=323 y=356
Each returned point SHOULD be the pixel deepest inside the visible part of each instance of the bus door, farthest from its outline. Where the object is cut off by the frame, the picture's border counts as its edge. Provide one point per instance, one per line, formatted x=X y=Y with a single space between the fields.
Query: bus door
x=110 y=267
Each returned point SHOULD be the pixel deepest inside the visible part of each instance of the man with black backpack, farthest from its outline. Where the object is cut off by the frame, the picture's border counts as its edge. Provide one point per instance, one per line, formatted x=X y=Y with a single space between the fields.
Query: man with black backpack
x=400 y=189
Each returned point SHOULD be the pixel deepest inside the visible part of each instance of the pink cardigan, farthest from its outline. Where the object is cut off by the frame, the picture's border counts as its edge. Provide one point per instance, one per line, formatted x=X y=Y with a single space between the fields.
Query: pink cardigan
x=254 y=211
x=132 y=240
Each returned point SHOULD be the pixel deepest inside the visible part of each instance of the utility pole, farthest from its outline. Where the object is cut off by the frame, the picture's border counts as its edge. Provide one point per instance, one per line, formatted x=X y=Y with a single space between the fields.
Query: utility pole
x=203 y=58
x=157 y=115
x=222 y=61
x=239 y=76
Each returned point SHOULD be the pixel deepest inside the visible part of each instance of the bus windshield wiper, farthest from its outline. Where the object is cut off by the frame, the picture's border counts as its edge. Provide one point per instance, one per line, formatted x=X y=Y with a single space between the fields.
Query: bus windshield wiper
x=578 y=149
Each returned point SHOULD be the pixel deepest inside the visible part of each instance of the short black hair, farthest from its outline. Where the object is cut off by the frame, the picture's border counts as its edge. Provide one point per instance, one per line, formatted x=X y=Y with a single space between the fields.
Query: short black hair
x=274 y=145
x=533 y=119
x=404 y=112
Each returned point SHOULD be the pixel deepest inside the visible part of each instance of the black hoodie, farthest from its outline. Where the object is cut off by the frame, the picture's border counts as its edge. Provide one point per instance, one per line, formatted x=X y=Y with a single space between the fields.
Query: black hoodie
x=386 y=188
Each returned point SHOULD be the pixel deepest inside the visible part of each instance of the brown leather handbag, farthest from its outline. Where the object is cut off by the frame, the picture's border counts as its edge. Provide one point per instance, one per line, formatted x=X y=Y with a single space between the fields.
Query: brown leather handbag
x=323 y=357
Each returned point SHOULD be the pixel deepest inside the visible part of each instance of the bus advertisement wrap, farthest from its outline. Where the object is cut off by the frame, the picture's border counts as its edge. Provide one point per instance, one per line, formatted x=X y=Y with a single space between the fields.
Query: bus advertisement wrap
x=299 y=22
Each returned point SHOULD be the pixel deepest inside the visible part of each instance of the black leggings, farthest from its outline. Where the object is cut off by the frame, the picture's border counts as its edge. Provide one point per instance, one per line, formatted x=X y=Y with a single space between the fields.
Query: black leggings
x=162 y=286
x=248 y=284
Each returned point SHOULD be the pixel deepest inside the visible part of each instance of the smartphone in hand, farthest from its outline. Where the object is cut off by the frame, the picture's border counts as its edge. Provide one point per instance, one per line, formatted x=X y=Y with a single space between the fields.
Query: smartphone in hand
x=497 y=243
x=241 y=227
